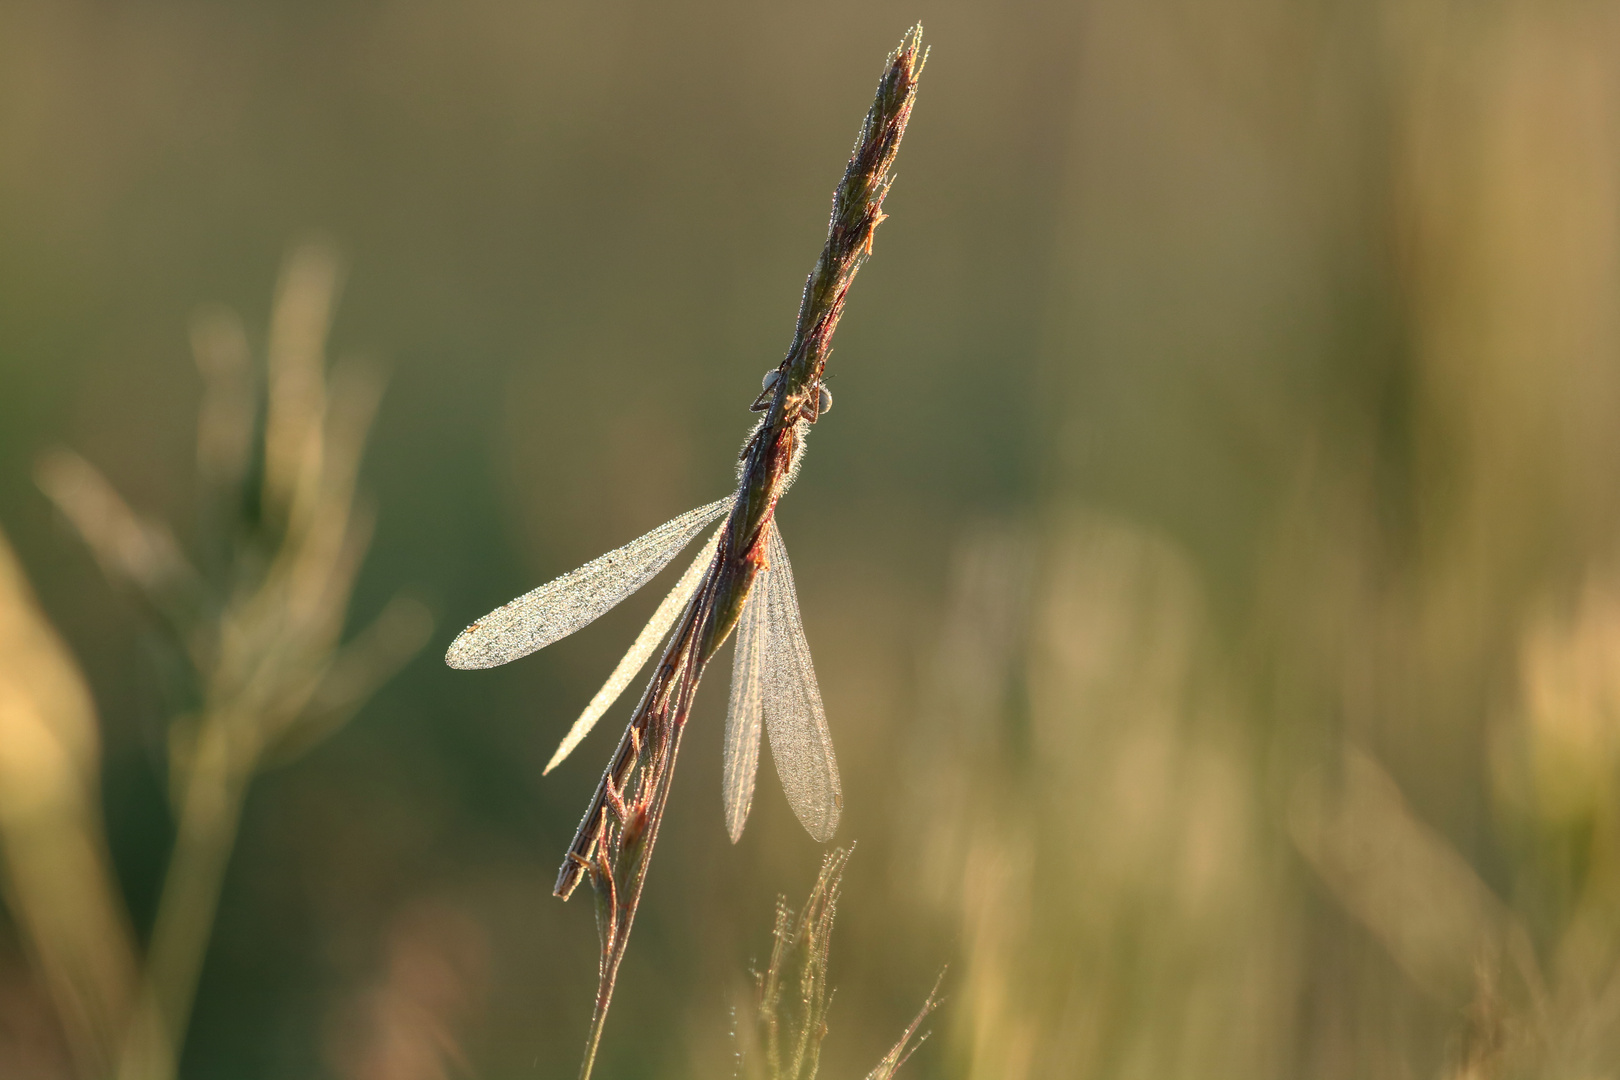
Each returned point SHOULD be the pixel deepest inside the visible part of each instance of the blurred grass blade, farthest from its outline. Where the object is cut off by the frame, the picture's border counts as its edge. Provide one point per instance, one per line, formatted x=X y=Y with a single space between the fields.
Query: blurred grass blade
x=127 y=547
x=59 y=883
x=131 y=550
x=358 y=670
x=355 y=391
x=296 y=408
x=1397 y=875
x=225 y=418
x=266 y=658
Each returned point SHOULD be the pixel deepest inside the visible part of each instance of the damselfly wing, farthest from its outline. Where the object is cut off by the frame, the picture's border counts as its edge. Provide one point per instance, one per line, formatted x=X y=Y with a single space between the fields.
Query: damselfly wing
x=641 y=649
x=774 y=681
x=745 y=712
x=577 y=599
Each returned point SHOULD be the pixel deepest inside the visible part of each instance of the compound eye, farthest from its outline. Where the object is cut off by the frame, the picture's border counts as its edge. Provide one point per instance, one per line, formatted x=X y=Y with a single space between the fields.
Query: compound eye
x=824 y=406
x=770 y=379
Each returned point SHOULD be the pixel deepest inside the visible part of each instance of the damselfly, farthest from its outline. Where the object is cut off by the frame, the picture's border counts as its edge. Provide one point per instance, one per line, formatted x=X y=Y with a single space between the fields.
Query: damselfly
x=773 y=682
x=740 y=582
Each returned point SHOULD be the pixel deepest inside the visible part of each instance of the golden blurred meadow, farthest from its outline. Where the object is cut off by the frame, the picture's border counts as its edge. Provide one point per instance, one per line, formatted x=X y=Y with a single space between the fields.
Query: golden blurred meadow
x=1212 y=564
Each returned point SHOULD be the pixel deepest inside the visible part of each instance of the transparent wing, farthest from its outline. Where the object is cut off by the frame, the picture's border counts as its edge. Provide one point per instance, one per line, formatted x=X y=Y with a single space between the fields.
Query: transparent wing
x=744 y=713
x=558 y=608
x=801 y=745
x=635 y=659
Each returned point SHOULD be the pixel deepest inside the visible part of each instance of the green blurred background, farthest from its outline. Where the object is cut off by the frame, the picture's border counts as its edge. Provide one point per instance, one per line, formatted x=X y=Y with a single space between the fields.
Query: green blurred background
x=1210 y=563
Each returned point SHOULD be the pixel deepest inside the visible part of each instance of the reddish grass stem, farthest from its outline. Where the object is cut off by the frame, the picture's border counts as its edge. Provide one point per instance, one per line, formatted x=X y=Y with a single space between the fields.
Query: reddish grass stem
x=615 y=838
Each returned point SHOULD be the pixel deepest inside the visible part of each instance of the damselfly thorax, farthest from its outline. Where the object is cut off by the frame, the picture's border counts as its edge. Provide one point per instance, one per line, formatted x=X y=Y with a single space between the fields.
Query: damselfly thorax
x=773 y=682
x=815 y=402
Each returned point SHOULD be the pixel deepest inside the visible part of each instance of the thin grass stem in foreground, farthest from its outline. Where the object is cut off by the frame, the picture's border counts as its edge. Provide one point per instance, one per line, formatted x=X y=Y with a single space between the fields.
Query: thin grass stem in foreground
x=781 y=1033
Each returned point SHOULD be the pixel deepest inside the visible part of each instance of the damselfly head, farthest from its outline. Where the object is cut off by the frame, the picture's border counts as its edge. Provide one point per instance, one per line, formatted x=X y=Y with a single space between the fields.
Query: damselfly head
x=817 y=403
x=767 y=390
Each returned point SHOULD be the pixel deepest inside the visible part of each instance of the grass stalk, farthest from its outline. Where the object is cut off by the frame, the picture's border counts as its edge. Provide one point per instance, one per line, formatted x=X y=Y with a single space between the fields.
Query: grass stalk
x=261 y=631
x=614 y=842
x=209 y=815
x=782 y=1036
